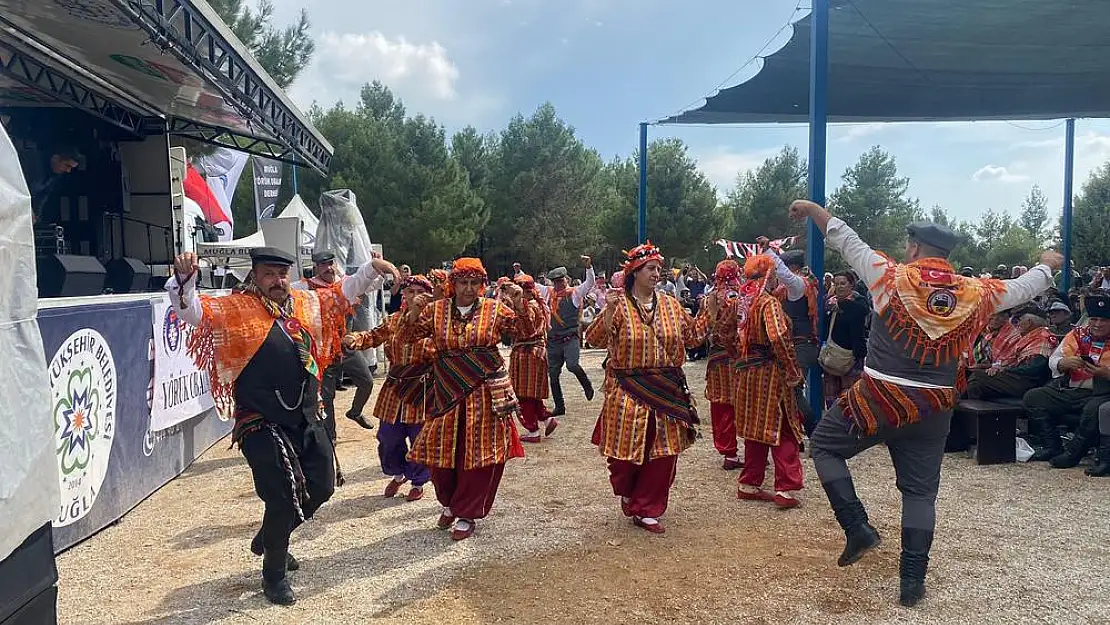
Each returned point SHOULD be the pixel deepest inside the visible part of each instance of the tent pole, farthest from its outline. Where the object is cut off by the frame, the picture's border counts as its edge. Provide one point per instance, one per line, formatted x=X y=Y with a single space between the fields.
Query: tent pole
x=1065 y=223
x=818 y=138
x=294 y=168
x=641 y=221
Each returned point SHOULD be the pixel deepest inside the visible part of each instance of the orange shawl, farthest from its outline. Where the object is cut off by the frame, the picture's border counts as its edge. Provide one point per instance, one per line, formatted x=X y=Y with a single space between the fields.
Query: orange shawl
x=937 y=310
x=1039 y=342
x=233 y=327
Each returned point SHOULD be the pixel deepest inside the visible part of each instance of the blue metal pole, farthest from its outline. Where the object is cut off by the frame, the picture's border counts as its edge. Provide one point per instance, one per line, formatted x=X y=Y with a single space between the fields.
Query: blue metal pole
x=1065 y=223
x=641 y=222
x=818 y=138
x=294 y=168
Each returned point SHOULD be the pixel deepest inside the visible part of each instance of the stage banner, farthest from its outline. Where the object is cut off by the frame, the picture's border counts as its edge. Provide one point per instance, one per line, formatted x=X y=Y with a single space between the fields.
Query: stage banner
x=181 y=391
x=100 y=361
x=267 y=185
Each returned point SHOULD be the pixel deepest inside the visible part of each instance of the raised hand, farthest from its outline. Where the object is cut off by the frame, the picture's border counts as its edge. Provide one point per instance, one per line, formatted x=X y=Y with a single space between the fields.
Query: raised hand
x=185 y=265
x=1054 y=259
x=801 y=209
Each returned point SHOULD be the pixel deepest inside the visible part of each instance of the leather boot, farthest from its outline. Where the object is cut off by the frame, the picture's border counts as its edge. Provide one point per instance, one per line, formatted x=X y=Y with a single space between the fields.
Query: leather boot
x=1050 y=441
x=291 y=563
x=1074 y=450
x=915 y=560
x=1102 y=467
x=860 y=537
x=275 y=585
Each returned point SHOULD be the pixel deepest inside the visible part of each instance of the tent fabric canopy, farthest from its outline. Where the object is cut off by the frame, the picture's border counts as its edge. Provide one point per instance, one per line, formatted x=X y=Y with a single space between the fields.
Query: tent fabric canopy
x=934 y=60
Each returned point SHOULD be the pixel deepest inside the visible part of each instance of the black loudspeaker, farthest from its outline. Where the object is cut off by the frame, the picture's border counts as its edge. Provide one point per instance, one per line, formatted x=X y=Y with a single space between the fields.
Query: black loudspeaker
x=62 y=275
x=127 y=275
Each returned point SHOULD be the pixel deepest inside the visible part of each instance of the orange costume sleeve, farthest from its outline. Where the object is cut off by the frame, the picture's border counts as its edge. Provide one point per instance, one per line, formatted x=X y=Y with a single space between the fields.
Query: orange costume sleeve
x=777 y=327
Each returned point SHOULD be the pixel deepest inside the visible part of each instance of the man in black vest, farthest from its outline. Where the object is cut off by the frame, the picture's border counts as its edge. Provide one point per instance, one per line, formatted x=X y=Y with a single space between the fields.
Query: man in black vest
x=796 y=305
x=563 y=343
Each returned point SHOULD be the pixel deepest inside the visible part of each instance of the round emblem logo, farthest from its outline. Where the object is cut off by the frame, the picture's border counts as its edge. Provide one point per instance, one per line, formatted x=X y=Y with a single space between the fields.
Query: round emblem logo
x=941 y=302
x=171 y=330
x=83 y=389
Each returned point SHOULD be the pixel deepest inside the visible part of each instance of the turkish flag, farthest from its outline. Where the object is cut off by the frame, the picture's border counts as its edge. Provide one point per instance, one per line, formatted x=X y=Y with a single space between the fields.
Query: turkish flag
x=197 y=190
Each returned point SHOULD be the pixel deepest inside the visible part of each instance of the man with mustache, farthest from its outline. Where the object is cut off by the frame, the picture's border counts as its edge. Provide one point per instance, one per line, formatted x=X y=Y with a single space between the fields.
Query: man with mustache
x=265 y=348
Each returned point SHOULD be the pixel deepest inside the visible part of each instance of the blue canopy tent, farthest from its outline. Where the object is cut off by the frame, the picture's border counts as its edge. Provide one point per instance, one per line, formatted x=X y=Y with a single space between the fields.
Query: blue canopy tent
x=920 y=60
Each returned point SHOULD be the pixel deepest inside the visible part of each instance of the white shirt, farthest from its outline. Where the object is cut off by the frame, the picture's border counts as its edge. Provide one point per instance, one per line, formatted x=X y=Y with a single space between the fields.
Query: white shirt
x=580 y=291
x=364 y=280
x=870 y=266
x=795 y=285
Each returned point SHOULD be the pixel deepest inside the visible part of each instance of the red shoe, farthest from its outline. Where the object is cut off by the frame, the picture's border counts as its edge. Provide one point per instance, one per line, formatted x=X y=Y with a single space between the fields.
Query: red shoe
x=445 y=521
x=463 y=534
x=393 y=488
x=759 y=495
x=731 y=464
x=531 y=437
x=785 y=502
x=653 y=528
x=552 y=423
x=416 y=493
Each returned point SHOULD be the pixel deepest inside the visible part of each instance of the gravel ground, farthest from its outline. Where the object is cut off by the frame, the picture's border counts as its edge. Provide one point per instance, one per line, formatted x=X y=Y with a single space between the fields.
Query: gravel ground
x=1016 y=544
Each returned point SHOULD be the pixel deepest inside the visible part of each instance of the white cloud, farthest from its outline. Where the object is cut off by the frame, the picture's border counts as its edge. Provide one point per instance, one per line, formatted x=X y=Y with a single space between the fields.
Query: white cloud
x=997 y=173
x=357 y=58
x=852 y=132
x=722 y=165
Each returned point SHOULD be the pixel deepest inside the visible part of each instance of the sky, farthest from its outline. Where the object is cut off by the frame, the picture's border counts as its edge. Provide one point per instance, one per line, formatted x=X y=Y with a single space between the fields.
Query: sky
x=608 y=65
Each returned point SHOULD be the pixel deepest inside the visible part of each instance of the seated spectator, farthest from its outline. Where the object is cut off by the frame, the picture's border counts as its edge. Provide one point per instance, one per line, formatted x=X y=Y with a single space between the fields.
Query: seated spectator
x=1082 y=364
x=995 y=343
x=1023 y=369
x=1060 y=319
x=1102 y=467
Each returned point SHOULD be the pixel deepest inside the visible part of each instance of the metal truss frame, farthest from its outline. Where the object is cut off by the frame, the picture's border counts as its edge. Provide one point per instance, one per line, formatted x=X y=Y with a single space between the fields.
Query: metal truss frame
x=188 y=31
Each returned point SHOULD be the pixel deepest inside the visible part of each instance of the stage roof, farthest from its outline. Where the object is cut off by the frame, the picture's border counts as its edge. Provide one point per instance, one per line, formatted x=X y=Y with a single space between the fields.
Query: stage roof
x=172 y=61
x=933 y=60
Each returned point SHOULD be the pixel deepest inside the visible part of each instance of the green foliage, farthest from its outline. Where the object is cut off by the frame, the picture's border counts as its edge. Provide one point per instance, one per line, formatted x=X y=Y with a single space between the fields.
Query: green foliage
x=682 y=210
x=873 y=199
x=283 y=52
x=1091 y=221
x=757 y=205
x=1034 y=214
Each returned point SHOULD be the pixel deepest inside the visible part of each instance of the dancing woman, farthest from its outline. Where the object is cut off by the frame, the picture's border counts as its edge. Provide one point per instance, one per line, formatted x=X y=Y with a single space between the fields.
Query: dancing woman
x=647 y=417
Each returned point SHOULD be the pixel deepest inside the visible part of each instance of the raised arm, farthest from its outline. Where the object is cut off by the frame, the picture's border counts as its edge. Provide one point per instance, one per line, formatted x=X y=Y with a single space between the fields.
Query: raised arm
x=588 y=284
x=795 y=284
x=369 y=277
x=182 y=289
x=1031 y=283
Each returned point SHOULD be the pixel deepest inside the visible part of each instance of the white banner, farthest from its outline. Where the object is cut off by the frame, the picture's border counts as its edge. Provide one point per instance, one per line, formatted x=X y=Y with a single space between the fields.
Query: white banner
x=181 y=391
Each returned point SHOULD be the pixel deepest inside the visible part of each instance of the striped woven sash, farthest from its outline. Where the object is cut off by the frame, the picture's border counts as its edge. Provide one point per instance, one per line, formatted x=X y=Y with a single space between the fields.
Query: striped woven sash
x=662 y=389
x=457 y=373
x=410 y=380
x=872 y=402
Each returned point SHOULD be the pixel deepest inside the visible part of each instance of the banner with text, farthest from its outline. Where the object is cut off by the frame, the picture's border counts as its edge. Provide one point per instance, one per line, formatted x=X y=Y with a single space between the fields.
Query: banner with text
x=267 y=185
x=181 y=391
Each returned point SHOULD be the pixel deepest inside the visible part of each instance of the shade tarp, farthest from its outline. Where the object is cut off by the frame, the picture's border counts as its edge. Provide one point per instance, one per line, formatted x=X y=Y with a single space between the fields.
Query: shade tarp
x=934 y=60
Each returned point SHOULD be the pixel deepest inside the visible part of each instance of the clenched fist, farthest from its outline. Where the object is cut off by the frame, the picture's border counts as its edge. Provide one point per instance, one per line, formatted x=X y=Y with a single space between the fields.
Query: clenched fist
x=184 y=266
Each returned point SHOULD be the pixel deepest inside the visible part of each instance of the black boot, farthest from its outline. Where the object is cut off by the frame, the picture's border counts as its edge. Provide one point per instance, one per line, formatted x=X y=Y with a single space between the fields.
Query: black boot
x=275 y=585
x=257 y=549
x=852 y=517
x=1074 y=451
x=1102 y=467
x=915 y=560
x=1050 y=439
x=588 y=388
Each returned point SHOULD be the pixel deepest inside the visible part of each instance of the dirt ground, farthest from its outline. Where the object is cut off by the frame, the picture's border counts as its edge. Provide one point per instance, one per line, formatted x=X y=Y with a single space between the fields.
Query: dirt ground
x=1016 y=544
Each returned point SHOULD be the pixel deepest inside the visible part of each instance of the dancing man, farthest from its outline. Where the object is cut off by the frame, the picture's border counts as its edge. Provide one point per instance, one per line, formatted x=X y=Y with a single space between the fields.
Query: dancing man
x=468 y=433
x=718 y=371
x=403 y=398
x=265 y=349
x=925 y=318
x=563 y=342
x=528 y=366
x=798 y=294
x=326 y=274
x=647 y=417
x=765 y=374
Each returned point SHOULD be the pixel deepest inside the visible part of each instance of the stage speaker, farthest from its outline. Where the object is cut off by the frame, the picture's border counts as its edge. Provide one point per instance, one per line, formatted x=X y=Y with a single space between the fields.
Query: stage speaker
x=63 y=275
x=127 y=275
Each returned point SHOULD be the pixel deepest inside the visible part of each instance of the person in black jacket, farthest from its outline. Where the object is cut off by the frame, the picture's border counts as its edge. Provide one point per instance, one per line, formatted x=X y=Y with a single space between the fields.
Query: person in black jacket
x=846 y=316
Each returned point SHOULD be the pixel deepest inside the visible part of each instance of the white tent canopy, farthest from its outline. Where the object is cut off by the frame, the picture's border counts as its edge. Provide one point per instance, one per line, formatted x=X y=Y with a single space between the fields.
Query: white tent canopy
x=240 y=248
x=28 y=464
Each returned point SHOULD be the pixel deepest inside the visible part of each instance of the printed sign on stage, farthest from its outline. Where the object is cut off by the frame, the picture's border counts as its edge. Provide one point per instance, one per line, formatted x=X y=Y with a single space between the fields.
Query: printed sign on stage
x=181 y=391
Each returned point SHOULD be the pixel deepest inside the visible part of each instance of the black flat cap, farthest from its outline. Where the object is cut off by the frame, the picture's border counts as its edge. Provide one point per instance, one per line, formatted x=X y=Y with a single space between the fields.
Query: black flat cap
x=271 y=256
x=934 y=235
x=556 y=273
x=1098 y=306
x=323 y=257
x=794 y=258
